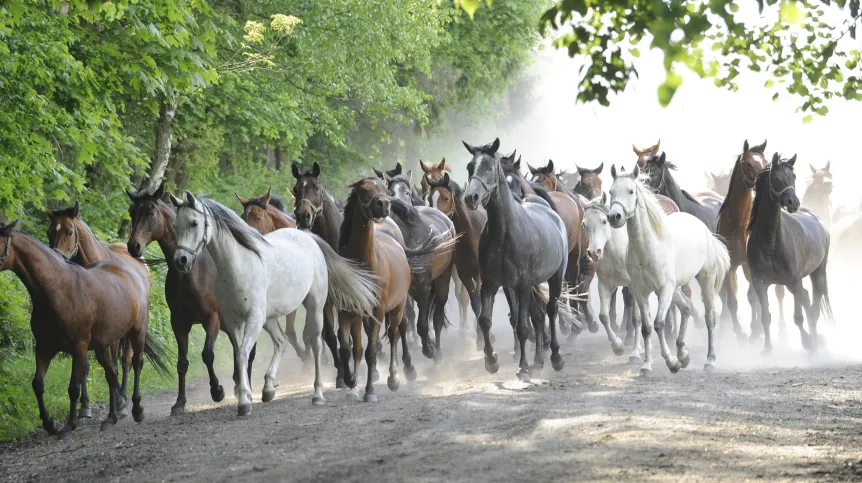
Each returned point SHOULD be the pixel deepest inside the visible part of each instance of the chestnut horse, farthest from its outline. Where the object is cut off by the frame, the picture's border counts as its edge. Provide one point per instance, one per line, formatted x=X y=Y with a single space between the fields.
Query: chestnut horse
x=77 y=309
x=190 y=297
x=266 y=214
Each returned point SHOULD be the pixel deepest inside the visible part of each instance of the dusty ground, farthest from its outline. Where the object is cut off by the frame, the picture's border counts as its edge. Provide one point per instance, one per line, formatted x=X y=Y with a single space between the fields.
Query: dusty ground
x=788 y=417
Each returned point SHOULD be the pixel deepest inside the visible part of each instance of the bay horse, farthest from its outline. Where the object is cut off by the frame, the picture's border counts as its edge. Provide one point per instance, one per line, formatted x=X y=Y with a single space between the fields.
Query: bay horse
x=430 y=286
x=817 y=197
x=264 y=277
x=70 y=235
x=392 y=265
x=522 y=246
x=267 y=214
x=785 y=247
x=665 y=252
x=77 y=309
x=190 y=296
x=589 y=183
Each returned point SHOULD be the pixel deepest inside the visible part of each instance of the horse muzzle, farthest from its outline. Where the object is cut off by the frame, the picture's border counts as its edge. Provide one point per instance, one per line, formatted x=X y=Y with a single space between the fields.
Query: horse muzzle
x=184 y=261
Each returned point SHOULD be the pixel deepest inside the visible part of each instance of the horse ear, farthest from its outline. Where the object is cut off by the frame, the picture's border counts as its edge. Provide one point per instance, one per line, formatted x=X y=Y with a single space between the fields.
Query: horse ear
x=471 y=149
x=745 y=146
x=532 y=169
x=662 y=158
x=657 y=146
x=315 y=170
x=792 y=161
x=425 y=168
x=8 y=228
x=495 y=146
x=636 y=150
x=517 y=165
x=398 y=169
x=551 y=166
x=132 y=196
x=442 y=165
x=160 y=191
x=190 y=199
x=241 y=200
x=295 y=169
x=75 y=210
x=828 y=164
x=636 y=172
x=813 y=169
x=409 y=175
x=267 y=196
x=775 y=158
x=49 y=213
x=445 y=180
x=386 y=178
x=604 y=198
x=600 y=168
x=614 y=171
x=377 y=172
x=175 y=201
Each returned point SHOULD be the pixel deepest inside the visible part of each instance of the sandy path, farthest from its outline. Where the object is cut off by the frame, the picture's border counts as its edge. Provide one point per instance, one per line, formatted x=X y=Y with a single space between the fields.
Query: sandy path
x=790 y=417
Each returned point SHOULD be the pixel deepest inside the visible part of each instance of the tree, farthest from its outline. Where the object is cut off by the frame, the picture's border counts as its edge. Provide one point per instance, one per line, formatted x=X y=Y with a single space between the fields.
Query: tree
x=792 y=41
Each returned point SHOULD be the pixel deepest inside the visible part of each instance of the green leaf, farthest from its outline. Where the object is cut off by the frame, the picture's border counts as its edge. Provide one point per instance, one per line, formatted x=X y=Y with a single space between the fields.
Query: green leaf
x=668 y=88
x=807 y=119
x=733 y=7
x=635 y=52
x=790 y=12
x=769 y=83
x=775 y=96
x=469 y=6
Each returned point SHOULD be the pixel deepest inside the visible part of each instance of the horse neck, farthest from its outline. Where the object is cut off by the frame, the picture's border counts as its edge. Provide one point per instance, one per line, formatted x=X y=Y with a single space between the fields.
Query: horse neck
x=768 y=222
x=327 y=225
x=641 y=237
x=671 y=189
x=90 y=249
x=361 y=246
x=168 y=241
x=40 y=269
x=278 y=219
x=738 y=201
x=502 y=210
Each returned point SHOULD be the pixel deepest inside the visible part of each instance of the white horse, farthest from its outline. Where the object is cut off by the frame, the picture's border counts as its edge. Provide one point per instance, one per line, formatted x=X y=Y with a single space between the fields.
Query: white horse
x=666 y=252
x=262 y=278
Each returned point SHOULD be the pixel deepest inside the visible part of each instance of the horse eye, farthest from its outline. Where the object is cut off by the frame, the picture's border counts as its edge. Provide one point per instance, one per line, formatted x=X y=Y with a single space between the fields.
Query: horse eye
x=604 y=222
x=631 y=192
x=194 y=223
x=69 y=232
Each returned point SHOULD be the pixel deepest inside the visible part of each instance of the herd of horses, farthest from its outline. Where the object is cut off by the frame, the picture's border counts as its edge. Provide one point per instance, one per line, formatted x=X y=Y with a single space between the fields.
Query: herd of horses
x=385 y=259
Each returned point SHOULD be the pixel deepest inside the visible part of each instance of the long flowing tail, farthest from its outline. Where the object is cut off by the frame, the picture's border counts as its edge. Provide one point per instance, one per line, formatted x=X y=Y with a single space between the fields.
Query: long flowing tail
x=156 y=350
x=564 y=304
x=420 y=258
x=352 y=288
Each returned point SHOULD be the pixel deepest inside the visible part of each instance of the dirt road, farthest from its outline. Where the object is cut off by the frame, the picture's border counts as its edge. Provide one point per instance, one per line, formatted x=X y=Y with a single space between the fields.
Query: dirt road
x=789 y=417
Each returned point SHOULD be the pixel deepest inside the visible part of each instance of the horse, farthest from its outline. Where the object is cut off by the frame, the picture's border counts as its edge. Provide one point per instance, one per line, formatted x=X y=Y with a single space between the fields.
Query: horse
x=264 y=277
x=589 y=183
x=817 y=197
x=429 y=288
x=448 y=197
x=77 y=309
x=783 y=248
x=665 y=252
x=415 y=198
x=646 y=153
x=70 y=235
x=190 y=296
x=267 y=214
x=432 y=173
x=522 y=246
x=657 y=171
x=718 y=183
x=392 y=265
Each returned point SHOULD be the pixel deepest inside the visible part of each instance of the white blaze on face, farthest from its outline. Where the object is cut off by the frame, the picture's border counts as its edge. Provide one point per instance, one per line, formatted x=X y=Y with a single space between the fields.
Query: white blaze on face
x=57 y=228
x=509 y=179
x=435 y=198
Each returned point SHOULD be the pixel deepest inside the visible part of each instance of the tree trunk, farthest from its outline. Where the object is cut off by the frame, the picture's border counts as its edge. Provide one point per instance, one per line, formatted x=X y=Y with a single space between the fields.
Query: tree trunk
x=279 y=157
x=164 y=138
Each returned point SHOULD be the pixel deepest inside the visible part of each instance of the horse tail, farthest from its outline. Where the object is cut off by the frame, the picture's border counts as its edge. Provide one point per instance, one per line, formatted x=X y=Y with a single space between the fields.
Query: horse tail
x=157 y=353
x=352 y=288
x=565 y=302
x=420 y=258
x=720 y=259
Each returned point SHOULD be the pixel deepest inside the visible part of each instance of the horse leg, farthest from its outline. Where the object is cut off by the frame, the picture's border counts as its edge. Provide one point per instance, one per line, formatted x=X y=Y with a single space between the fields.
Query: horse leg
x=345 y=325
x=331 y=339
x=137 y=342
x=106 y=359
x=820 y=288
x=423 y=300
x=85 y=411
x=646 y=332
x=409 y=370
x=606 y=300
x=635 y=328
x=211 y=327
x=181 y=334
x=779 y=295
x=410 y=315
x=247 y=344
x=271 y=327
x=394 y=330
x=463 y=297
x=524 y=294
x=586 y=269
x=707 y=295
x=731 y=287
x=664 y=298
x=629 y=313
x=123 y=397
x=43 y=361
x=79 y=362
x=315 y=321
x=801 y=304
x=611 y=311
x=760 y=291
x=512 y=300
x=372 y=330
x=682 y=303
x=476 y=304
x=536 y=315
x=555 y=288
x=290 y=333
x=441 y=296
x=492 y=365
x=356 y=335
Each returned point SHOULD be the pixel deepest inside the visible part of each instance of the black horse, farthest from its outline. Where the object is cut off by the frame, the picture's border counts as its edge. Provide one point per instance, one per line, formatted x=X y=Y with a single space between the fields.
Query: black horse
x=785 y=247
x=660 y=180
x=522 y=246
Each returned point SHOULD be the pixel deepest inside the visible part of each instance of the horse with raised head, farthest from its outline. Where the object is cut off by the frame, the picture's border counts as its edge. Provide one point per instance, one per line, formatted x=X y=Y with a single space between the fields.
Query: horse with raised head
x=264 y=277
x=77 y=309
x=817 y=197
x=429 y=287
x=646 y=153
x=785 y=247
x=665 y=252
x=657 y=171
x=523 y=245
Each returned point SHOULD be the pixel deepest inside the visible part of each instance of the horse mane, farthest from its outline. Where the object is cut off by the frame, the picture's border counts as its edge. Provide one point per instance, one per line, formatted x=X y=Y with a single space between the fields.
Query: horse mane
x=667 y=164
x=655 y=213
x=759 y=190
x=733 y=174
x=688 y=196
x=228 y=221
x=347 y=223
x=67 y=212
x=542 y=193
x=274 y=200
x=405 y=211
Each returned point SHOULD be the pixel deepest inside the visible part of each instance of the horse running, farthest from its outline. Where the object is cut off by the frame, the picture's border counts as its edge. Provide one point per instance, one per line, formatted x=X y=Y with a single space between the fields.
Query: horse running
x=665 y=252
x=783 y=248
x=817 y=197
x=77 y=309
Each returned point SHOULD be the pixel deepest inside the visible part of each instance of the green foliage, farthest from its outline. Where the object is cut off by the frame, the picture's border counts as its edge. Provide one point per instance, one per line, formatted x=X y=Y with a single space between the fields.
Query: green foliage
x=809 y=56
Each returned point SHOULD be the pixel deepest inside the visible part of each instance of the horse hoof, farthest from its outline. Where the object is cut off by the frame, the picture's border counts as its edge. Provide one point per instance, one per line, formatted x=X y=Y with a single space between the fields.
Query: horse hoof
x=557 y=362
x=243 y=410
x=67 y=435
x=754 y=339
x=369 y=398
x=138 y=414
x=178 y=410
x=122 y=402
x=491 y=364
x=217 y=393
x=709 y=367
x=673 y=364
x=592 y=326
x=268 y=395
x=353 y=395
x=646 y=371
x=565 y=330
x=393 y=383
x=516 y=357
x=438 y=356
x=339 y=383
x=85 y=413
x=535 y=371
x=410 y=373
x=375 y=376
x=350 y=382
x=684 y=358
x=617 y=346
x=523 y=375
x=546 y=346
x=635 y=361
x=480 y=345
x=318 y=401
x=106 y=426
x=124 y=413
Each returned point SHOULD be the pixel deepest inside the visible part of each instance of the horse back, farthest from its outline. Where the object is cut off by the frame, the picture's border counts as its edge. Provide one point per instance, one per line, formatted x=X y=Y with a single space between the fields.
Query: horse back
x=119 y=300
x=572 y=215
x=391 y=271
x=810 y=238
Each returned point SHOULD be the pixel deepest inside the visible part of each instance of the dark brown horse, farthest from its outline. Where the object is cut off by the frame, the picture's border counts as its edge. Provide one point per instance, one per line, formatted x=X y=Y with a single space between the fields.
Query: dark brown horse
x=817 y=197
x=267 y=214
x=589 y=183
x=190 y=297
x=70 y=235
x=785 y=247
x=77 y=309
x=368 y=203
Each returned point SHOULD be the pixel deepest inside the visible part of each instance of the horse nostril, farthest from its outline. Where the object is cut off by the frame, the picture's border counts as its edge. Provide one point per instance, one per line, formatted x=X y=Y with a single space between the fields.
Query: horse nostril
x=183 y=260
